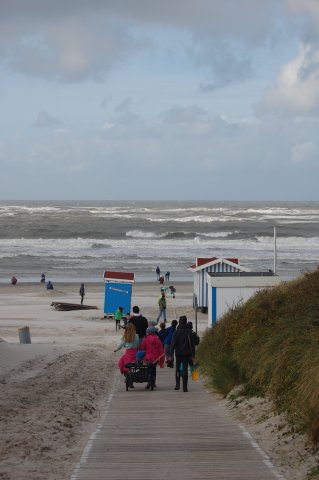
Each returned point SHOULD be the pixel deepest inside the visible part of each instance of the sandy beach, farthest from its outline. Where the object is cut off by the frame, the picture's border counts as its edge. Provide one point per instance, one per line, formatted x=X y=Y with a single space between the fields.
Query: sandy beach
x=51 y=391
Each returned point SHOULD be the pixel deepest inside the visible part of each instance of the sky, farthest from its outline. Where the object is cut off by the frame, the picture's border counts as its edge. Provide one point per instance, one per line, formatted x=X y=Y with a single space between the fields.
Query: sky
x=170 y=100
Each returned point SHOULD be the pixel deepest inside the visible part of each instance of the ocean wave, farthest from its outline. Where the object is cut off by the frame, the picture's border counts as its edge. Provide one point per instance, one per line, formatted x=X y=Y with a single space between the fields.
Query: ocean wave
x=144 y=234
x=101 y=245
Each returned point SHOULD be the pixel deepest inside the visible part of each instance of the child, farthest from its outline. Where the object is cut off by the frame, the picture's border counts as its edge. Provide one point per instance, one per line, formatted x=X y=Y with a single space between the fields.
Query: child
x=162 y=332
x=130 y=341
x=154 y=353
x=118 y=317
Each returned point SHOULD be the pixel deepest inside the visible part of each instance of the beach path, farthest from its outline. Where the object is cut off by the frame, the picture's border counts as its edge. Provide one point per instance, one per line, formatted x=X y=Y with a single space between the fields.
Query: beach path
x=170 y=434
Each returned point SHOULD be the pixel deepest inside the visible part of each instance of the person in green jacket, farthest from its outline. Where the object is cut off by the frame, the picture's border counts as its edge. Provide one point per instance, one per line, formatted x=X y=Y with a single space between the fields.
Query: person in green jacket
x=162 y=307
x=118 y=317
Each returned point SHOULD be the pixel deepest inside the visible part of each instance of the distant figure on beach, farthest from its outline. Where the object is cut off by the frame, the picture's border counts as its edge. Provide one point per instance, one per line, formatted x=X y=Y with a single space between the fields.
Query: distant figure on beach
x=158 y=272
x=42 y=278
x=167 y=275
x=82 y=292
x=172 y=290
x=118 y=317
x=14 y=280
x=49 y=285
x=161 y=280
x=183 y=345
x=130 y=341
x=162 y=307
x=139 y=322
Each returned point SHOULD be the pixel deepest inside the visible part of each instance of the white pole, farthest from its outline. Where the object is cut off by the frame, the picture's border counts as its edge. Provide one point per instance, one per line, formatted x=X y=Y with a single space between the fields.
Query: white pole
x=275 y=250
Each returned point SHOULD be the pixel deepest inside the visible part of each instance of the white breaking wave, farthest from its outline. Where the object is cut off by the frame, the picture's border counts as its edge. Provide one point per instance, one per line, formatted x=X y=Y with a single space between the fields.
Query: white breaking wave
x=143 y=234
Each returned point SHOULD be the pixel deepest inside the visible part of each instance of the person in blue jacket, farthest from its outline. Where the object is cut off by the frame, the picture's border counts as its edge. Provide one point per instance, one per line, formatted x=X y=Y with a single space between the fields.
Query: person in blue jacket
x=169 y=331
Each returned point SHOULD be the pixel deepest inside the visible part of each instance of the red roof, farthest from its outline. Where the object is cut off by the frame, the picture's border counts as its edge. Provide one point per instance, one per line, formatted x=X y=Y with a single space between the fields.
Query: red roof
x=202 y=261
x=128 y=276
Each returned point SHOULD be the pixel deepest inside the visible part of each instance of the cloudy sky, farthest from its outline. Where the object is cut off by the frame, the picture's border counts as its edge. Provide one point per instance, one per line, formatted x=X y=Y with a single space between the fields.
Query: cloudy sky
x=177 y=99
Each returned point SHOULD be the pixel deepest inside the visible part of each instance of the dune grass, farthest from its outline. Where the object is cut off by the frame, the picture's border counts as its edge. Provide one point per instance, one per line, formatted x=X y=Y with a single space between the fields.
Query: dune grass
x=270 y=345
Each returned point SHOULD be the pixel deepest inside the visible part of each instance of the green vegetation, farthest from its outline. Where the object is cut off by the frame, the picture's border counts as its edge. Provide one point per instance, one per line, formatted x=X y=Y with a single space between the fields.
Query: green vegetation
x=270 y=345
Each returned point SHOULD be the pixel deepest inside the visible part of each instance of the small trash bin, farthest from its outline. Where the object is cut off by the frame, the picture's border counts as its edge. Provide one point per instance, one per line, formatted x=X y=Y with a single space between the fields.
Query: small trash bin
x=24 y=335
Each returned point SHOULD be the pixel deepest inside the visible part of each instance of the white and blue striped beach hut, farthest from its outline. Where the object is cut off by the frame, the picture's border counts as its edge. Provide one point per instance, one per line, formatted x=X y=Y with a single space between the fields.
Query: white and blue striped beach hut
x=212 y=265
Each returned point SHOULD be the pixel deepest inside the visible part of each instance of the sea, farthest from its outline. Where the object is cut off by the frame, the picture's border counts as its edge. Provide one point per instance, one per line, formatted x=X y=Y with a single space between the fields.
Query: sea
x=77 y=241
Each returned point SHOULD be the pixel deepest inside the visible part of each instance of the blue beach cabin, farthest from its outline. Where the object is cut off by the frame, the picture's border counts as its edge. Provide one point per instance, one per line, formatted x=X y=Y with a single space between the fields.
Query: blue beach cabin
x=118 y=292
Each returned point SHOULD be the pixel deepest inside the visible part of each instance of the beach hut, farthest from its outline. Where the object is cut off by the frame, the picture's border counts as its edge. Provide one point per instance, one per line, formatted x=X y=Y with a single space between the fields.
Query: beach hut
x=214 y=265
x=227 y=290
x=118 y=291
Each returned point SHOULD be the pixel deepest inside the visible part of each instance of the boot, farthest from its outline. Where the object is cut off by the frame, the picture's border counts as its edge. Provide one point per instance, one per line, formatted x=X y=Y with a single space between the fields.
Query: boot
x=178 y=382
x=185 y=381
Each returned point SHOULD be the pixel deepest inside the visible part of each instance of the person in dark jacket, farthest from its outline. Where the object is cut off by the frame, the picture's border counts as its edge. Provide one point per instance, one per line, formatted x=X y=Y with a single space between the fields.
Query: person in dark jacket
x=139 y=321
x=169 y=332
x=82 y=292
x=162 y=332
x=194 y=334
x=183 y=345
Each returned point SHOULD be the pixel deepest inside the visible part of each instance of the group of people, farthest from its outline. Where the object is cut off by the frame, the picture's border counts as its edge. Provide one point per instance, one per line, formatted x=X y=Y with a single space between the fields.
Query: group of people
x=160 y=277
x=158 y=346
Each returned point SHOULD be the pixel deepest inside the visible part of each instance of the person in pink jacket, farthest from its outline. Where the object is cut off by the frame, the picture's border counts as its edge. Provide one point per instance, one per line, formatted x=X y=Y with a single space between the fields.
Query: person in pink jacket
x=154 y=353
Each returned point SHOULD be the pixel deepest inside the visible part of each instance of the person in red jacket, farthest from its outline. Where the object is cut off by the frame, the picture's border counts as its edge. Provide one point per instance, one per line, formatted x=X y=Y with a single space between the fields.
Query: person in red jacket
x=154 y=353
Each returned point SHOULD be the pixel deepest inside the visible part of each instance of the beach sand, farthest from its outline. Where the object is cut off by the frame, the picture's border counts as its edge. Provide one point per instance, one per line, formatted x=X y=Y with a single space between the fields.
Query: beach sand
x=51 y=391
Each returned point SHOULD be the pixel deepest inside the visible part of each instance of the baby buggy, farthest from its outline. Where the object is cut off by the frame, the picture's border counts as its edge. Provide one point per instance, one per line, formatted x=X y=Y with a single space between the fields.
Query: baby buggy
x=139 y=372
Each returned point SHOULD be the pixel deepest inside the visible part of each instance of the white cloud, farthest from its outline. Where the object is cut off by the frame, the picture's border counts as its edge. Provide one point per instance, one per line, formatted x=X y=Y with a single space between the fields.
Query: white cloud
x=296 y=90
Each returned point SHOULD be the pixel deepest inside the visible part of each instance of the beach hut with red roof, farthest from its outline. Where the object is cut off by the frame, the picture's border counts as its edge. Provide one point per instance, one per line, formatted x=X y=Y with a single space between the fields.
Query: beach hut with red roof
x=118 y=291
x=212 y=265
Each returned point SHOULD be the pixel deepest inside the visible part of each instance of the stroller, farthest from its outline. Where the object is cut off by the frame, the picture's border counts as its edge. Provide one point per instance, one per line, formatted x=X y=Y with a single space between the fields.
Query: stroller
x=138 y=372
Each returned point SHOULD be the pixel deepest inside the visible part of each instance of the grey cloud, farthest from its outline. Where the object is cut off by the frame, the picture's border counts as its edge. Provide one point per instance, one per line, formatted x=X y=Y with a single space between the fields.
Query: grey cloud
x=124 y=106
x=68 y=49
x=188 y=114
x=44 y=119
x=226 y=69
x=75 y=40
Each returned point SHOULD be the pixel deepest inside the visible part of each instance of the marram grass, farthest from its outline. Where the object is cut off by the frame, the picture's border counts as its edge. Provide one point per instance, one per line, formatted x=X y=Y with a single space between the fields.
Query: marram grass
x=270 y=345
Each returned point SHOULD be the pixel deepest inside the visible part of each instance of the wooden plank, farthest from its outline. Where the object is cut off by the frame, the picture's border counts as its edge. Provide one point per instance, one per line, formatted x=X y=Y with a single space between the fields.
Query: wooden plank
x=168 y=434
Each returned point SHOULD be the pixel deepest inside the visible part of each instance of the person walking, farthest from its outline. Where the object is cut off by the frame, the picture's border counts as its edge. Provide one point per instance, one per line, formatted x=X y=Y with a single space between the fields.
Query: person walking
x=154 y=354
x=118 y=317
x=167 y=275
x=158 y=272
x=183 y=345
x=162 y=332
x=193 y=334
x=162 y=307
x=172 y=290
x=82 y=292
x=130 y=341
x=169 y=332
x=139 y=322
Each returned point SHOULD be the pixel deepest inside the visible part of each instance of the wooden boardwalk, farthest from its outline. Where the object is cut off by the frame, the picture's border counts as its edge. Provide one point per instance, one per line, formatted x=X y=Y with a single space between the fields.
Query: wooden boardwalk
x=166 y=434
